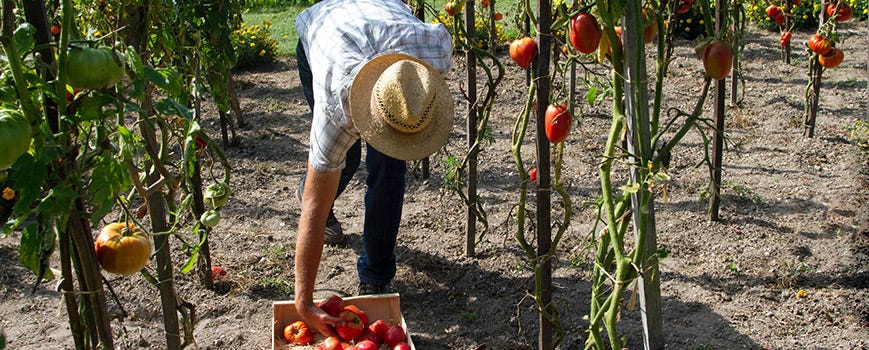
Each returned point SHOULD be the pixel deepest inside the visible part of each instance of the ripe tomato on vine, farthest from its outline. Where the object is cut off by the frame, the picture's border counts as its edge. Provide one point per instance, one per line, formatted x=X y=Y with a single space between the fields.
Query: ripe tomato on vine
x=523 y=51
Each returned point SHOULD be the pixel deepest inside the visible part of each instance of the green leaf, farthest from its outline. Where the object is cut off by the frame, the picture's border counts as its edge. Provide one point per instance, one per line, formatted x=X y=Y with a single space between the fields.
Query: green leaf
x=34 y=243
x=630 y=188
x=171 y=107
x=28 y=175
x=109 y=179
x=166 y=79
x=126 y=142
x=91 y=107
x=25 y=38
x=591 y=95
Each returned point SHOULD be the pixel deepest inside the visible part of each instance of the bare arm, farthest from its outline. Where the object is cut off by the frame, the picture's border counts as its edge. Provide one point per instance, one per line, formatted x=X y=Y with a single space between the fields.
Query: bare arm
x=320 y=190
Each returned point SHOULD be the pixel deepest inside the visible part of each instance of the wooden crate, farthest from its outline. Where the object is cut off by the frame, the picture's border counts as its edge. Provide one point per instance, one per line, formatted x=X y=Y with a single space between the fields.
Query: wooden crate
x=384 y=307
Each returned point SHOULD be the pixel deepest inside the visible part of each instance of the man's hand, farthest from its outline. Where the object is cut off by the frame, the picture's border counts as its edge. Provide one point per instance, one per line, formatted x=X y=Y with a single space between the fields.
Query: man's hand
x=319 y=319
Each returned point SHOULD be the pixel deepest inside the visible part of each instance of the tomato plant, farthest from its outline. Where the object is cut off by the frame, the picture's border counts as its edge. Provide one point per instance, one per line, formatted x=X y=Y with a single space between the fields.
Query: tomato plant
x=832 y=59
x=454 y=8
x=785 y=38
x=584 y=33
x=558 y=123
x=717 y=59
x=121 y=248
x=523 y=50
x=93 y=68
x=651 y=26
x=842 y=11
x=14 y=136
x=820 y=44
x=210 y=218
x=298 y=333
x=216 y=194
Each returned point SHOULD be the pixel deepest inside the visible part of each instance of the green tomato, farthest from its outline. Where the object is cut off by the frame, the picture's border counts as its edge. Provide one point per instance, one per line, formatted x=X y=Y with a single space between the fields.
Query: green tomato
x=210 y=218
x=216 y=194
x=15 y=135
x=93 y=68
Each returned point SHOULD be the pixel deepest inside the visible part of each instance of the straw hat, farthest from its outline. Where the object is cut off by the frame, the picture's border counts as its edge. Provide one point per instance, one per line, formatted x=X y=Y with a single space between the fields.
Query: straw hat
x=402 y=106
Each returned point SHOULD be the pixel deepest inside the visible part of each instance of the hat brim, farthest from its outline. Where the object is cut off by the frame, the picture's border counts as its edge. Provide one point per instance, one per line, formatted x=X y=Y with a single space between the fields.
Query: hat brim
x=374 y=129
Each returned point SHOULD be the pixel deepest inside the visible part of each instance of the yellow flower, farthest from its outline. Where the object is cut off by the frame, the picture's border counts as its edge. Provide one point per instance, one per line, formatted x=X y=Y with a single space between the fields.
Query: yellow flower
x=805 y=16
x=267 y=23
x=687 y=29
x=262 y=52
x=688 y=20
x=241 y=42
x=802 y=293
x=253 y=37
x=8 y=194
x=252 y=44
x=701 y=21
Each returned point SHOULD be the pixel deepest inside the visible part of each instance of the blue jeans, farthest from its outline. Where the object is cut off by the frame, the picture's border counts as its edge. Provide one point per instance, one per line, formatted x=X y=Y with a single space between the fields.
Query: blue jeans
x=384 y=197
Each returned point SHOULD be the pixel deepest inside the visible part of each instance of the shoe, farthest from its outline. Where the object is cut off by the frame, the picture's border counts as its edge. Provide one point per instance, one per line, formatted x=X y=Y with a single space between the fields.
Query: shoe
x=334 y=233
x=370 y=289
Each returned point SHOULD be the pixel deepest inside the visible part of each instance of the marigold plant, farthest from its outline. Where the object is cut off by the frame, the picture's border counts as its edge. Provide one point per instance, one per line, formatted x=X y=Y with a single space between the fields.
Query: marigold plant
x=481 y=30
x=254 y=45
x=803 y=16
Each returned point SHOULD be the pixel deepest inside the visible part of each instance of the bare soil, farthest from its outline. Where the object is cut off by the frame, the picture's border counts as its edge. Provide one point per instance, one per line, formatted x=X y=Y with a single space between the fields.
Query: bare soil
x=794 y=216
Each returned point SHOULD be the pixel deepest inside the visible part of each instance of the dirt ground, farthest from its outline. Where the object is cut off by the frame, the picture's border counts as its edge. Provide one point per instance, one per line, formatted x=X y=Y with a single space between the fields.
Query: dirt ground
x=794 y=217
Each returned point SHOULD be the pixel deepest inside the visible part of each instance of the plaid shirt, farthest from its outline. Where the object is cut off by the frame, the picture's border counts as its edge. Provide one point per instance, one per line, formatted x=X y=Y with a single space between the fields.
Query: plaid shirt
x=339 y=37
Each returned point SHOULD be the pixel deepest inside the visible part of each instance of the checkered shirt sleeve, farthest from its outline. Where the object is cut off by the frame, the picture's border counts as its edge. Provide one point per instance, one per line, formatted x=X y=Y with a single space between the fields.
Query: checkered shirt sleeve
x=339 y=37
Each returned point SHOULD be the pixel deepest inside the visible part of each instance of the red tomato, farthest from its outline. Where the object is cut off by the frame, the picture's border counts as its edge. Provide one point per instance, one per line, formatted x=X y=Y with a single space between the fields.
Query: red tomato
x=832 y=58
x=454 y=8
x=773 y=11
x=333 y=305
x=717 y=59
x=331 y=343
x=533 y=174
x=362 y=315
x=498 y=16
x=401 y=346
x=379 y=328
x=844 y=11
x=820 y=44
x=780 y=19
x=651 y=24
x=795 y=2
x=584 y=33
x=369 y=335
x=523 y=51
x=786 y=36
x=352 y=328
x=558 y=123
x=217 y=272
x=366 y=345
x=122 y=249
x=394 y=335
x=298 y=333
x=485 y=3
x=55 y=29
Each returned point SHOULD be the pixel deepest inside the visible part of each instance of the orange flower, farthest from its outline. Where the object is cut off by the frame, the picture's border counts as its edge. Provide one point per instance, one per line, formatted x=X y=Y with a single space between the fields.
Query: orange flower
x=8 y=194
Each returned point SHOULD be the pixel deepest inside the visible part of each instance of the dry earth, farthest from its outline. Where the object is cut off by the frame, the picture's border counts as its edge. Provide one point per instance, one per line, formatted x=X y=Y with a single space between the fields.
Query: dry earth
x=794 y=217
